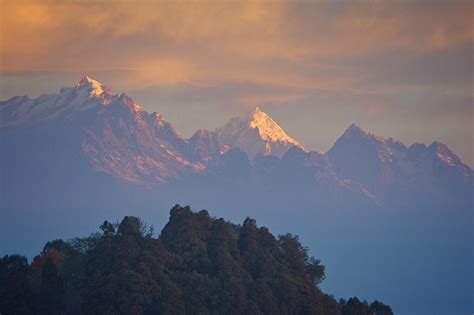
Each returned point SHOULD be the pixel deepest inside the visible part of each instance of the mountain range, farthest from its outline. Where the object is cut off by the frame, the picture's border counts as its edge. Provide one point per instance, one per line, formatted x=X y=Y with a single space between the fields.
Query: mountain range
x=401 y=213
x=88 y=136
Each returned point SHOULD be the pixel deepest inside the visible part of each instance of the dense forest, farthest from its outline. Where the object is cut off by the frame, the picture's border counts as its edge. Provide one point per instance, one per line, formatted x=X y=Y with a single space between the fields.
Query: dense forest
x=197 y=265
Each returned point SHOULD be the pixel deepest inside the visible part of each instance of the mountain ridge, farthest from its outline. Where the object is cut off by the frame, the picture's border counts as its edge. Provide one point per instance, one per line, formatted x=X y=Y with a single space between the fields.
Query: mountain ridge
x=403 y=211
x=116 y=136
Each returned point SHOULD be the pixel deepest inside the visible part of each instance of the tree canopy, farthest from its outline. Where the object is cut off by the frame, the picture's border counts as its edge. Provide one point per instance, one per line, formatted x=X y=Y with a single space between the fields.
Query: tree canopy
x=198 y=265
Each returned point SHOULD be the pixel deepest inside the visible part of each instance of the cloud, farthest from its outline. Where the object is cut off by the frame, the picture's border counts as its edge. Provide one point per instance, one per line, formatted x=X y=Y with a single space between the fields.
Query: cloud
x=215 y=40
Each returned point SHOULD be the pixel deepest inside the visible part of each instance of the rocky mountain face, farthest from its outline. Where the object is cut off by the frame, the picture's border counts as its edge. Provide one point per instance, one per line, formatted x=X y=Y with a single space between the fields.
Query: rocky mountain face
x=87 y=135
x=388 y=167
x=204 y=146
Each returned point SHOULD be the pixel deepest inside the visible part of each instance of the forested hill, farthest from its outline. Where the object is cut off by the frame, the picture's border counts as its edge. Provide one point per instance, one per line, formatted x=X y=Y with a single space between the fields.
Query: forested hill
x=198 y=265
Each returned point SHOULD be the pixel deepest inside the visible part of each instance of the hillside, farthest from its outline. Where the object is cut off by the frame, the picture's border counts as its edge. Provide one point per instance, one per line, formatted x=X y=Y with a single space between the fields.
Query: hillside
x=198 y=265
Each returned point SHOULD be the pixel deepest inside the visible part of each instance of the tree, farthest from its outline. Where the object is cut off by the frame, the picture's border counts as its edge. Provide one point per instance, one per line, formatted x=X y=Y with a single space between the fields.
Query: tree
x=130 y=226
x=107 y=228
x=316 y=271
x=355 y=307
x=15 y=293
x=198 y=265
x=378 y=308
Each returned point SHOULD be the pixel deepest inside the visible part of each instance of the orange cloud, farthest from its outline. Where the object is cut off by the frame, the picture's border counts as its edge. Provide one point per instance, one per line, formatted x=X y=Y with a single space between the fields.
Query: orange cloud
x=72 y=35
x=359 y=47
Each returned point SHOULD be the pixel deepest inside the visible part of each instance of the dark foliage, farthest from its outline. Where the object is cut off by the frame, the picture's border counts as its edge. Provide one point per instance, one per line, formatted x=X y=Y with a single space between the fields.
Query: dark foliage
x=355 y=307
x=198 y=265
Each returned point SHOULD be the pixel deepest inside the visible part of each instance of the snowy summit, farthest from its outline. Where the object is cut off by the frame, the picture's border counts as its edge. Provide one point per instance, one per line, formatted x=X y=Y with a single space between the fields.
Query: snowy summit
x=93 y=86
x=256 y=134
x=87 y=94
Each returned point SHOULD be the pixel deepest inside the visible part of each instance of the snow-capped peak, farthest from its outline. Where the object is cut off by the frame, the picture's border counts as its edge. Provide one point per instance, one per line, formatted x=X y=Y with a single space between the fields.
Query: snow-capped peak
x=94 y=87
x=268 y=129
x=71 y=101
x=255 y=113
x=256 y=133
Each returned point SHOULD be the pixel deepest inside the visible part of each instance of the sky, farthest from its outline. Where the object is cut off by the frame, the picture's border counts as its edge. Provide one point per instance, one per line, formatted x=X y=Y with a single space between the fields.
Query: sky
x=401 y=69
